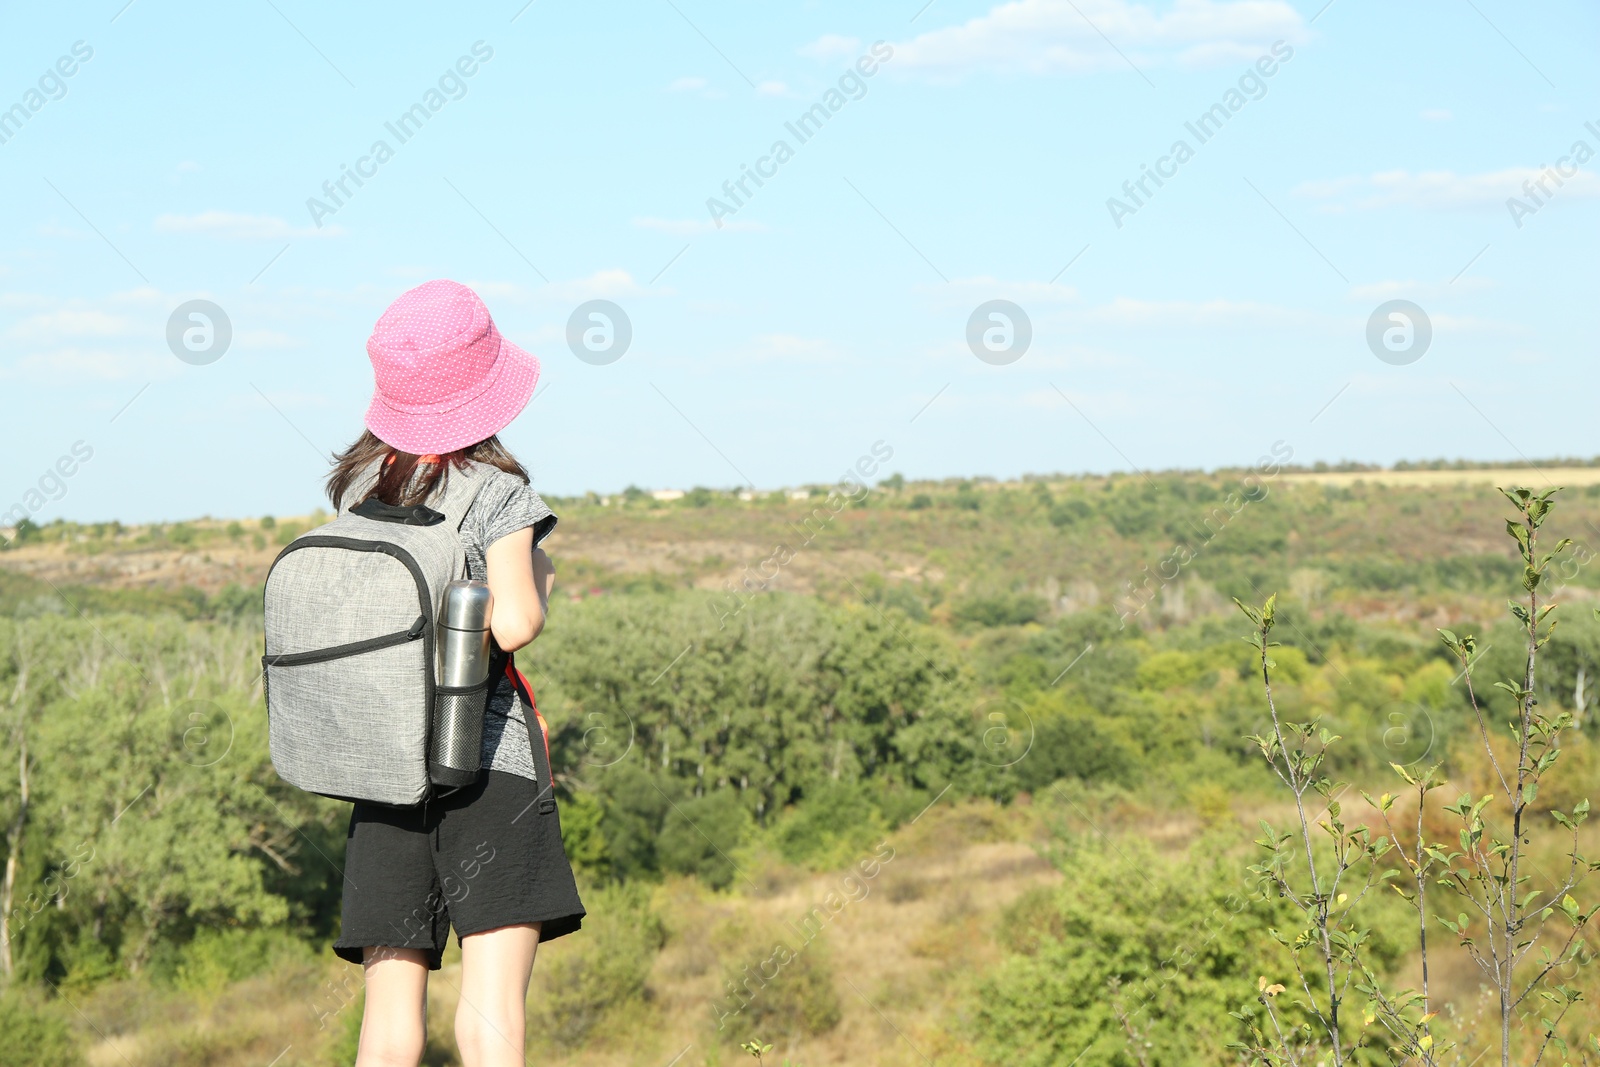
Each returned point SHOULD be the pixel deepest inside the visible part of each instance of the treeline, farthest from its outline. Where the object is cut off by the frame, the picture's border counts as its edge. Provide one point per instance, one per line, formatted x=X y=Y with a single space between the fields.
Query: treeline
x=965 y=555
x=140 y=806
x=26 y=597
x=147 y=836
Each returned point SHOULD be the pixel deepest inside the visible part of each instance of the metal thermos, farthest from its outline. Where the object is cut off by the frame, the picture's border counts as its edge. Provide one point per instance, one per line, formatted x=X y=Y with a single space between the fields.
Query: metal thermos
x=453 y=757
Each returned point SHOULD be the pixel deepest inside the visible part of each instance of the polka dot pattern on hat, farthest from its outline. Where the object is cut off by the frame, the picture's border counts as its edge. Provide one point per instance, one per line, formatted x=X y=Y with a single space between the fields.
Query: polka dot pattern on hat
x=445 y=377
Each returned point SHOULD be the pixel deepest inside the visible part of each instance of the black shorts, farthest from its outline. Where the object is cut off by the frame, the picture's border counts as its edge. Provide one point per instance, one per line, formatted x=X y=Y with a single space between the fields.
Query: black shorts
x=481 y=858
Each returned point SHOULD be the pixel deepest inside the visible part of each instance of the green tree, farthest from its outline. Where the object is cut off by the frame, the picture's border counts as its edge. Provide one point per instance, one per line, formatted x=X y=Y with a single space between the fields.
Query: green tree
x=1132 y=959
x=35 y=1035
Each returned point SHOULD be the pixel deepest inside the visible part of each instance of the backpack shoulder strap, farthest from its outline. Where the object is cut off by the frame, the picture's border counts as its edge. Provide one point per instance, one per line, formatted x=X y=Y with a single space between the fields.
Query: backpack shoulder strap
x=460 y=488
x=530 y=712
x=360 y=486
x=454 y=497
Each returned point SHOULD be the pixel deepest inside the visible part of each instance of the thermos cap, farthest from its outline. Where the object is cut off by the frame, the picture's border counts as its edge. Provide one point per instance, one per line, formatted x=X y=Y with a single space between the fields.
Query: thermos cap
x=467 y=605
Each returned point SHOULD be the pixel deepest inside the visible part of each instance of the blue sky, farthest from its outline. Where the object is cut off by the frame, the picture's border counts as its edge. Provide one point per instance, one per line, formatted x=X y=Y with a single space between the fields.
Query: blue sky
x=830 y=310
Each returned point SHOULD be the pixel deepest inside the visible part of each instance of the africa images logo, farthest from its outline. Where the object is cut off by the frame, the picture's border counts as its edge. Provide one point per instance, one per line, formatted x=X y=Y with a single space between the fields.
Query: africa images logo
x=451 y=85
x=1252 y=85
x=52 y=85
x=807 y=126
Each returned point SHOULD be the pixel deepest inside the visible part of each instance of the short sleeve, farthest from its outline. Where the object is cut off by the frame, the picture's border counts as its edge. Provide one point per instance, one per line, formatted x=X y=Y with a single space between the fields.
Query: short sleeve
x=506 y=505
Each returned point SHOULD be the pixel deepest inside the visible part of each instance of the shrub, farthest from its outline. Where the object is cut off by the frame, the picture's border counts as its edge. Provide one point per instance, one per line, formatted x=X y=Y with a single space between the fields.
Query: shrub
x=700 y=833
x=346 y=1041
x=1069 y=513
x=583 y=836
x=899 y=595
x=1166 y=944
x=777 y=982
x=832 y=824
x=35 y=1035
x=235 y=602
x=603 y=968
x=215 y=957
x=634 y=812
x=27 y=530
x=1007 y=609
x=1076 y=744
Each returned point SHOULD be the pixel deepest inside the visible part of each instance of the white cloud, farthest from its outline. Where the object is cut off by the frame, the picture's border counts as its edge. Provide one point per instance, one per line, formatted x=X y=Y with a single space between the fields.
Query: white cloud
x=774 y=88
x=509 y=291
x=280 y=398
x=1051 y=355
x=16 y=300
x=1414 y=290
x=1435 y=114
x=1065 y=36
x=1240 y=313
x=1326 y=188
x=831 y=46
x=1473 y=325
x=74 y=366
x=791 y=348
x=697 y=85
x=50 y=229
x=602 y=283
x=610 y=284
x=141 y=296
x=150 y=296
x=691 y=227
x=71 y=322
x=1106 y=402
x=254 y=340
x=230 y=226
x=1444 y=189
x=978 y=289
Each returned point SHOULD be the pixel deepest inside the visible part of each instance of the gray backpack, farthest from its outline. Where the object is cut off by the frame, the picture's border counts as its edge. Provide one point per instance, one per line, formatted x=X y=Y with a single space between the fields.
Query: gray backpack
x=351 y=619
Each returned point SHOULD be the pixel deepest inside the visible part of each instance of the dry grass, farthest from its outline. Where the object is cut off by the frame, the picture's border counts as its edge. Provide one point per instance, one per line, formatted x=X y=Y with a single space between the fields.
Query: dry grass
x=637 y=548
x=902 y=949
x=278 y=1015
x=1565 y=476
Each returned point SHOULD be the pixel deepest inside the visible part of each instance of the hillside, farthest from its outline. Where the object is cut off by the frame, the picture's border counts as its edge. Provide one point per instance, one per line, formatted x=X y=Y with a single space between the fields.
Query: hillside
x=1180 y=544
x=975 y=754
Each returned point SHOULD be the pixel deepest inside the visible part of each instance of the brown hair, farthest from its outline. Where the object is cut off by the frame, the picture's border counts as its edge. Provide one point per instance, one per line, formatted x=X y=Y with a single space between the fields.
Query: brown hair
x=396 y=484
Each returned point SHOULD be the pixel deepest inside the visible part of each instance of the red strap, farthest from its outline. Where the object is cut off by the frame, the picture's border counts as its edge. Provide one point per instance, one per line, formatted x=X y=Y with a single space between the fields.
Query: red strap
x=526 y=691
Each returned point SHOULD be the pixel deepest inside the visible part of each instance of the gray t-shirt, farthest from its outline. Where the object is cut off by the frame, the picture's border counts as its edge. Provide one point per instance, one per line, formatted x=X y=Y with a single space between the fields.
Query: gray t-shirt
x=504 y=505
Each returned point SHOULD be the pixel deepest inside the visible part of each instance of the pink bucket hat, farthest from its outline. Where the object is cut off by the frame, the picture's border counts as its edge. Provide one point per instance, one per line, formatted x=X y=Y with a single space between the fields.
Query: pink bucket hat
x=445 y=377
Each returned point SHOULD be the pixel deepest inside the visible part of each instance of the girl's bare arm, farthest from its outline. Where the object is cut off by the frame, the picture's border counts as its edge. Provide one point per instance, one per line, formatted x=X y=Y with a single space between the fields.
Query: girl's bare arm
x=520 y=577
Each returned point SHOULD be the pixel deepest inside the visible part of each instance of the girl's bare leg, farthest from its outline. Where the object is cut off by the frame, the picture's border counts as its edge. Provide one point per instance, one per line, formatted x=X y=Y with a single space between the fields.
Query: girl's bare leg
x=393 y=1023
x=495 y=966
